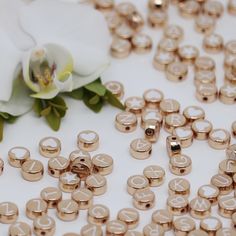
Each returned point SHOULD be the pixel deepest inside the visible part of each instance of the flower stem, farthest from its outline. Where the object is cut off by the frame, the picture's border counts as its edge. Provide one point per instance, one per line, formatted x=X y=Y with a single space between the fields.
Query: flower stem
x=1 y=128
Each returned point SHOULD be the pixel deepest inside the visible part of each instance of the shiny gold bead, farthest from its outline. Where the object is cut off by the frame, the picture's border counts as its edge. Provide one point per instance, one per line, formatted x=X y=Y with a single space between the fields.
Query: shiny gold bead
x=32 y=170
x=174 y=32
x=91 y=229
x=8 y=212
x=213 y=43
x=189 y=9
x=168 y=106
x=126 y=122
x=17 y=156
x=142 y=43
x=188 y=54
x=168 y=45
x=68 y=182
x=88 y=140
x=1 y=166
x=78 y=154
x=210 y=225
x=233 y=128
x=152 y=130
x=177 y=205
x=129 y=216
x=231 y=7
x=206 y=93
x=120 y=48
x=125 y=8
x=183 y=226
x=231 y=152
x=140 y=149
x=44 y=225
x=201 y=129
x=234 y=220
x=228 y=61
x=98 y=214
x=163 y=218
x=116 y=227
x=57 y=166
x=204 y=63
x=135 y=105
x=51 y=196
x=223 y=182
x=173 y=121
x=173 y=146
x=135 y=21
x=152 y=116
x=96 y=183
x=144 y=199
x=116 y=88
x=157 y=19
x=185 y=135
x=104 y=4
x=230 y=77
x=213 y=8
x=204 y=24
x=226 y=232
x=83 y=197
x=136 y=182
x=234 y=183
x=179 y=186
x=158 y=4
x=67 y=210
x=227 y=206
x=227 y=94
x=209 y=192
x=133 y=233
x=180 y=165
x=176 y=71
x=200 y=208
x=219 y=139
x=102 y=164
x=197 y=232
x=152 y=98
x=123 y=31
x=50 y=147
x=204 y=77
x=162 y=59
x=19 y=229
x=35 y=208
x=193 y=113
x=153 y=229
x=113 y=20
x=230 y=47
x=227 y=167
x=155 y=175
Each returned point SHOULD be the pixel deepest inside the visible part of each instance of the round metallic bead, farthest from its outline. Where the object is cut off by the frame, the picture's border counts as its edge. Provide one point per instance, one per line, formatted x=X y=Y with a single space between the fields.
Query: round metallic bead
x=44 y=225
x=204 y=24
x=188 y=54
x=227 y=167
x=173 y=121
x=168 y=45
x=152 y=115
x=125 y=32
x=204 y=77
x=201 y=129
x=209 y=192
x=78 y=154
x=155 y=175
x=116 y=88
x=230 y=77
x=176 y=71
x=120 y=48
x=88 y=140
x=230 y=47
x=227 y=94
x=67 y=210
x=68 y=182
x=83 y=197
x=233 y=128
x=35 y=208
x=204 y=63
x=210 y=225
x=152 y=98
x=206 y=93
x=173 y=146
x=226 y=232
x=19 y=229
x=180 y=165
x=162 y=59
x=144 y=199
x=200 y=208
x=126 y=122
x=116 y=227
x=189 y=9
x=213 y=8
x=213 y=43
x=141 y=43
x=98 y=214
x=135 y=21
x=133 y=233
x=193 y=113
x=102 y=164
x=96 y=183
x=17 y=156
x=113 y=20
x=136 y=182
x=223 y=182
x=129 y=216
x=104 y=5
x=91 y=229
x=57 y=166
x=179 y=186
x=183 y=226
x=32 y=170
x=140 y=149
x=163 y=218
x=135 y=105
x=219 y=139
x=227 y=206
x=197 y=232
x=51 y=196
x=157 y=19
x=231 y=152
x=125 y=8
x=228 y=61
x=50 y=147
x=8 y=212
x=153 y=229
x=231 y=7
x=177 y=205
x=185 y=135
x=152 y=130
x=1 y=166
x=168 y=106
x=234 y=220
x=158 y=4
x=174 y=32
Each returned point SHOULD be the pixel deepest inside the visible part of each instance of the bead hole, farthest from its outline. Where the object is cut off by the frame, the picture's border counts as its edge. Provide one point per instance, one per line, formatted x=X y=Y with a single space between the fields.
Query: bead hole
x=173 y=138
x=148 y=205
x=52 y=172
x=82 y=159
x=205 y=99
x=127 y=128
x=43 y=233
x=182 y=171
x=181 y=77
x=150 y=152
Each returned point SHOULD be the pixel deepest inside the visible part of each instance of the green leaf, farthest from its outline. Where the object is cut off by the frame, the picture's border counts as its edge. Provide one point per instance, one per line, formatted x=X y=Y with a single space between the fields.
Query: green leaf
x=37 y=107
x=94 y=107
x=11 y=119
x=113 y=100
x=4 y=115
x=76 y=94
x=94 y=100
x=1 y=128
x=96 y=87
x=53 y=121
x=46 y=111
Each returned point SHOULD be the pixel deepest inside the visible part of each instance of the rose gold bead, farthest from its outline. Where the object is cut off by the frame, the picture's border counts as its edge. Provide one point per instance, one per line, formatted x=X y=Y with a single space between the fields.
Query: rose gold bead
x=44 y=225
x=197 y=232
x=17 y=156
x=125 y=8
x=67 y=210
x=213 y=8
x=185 y=135
x=116 y=88
x=142 y=43
x=180 y=165
x=204 y=63
x=188 y=54
x=173 y=146
x=83 y=197
x=98 y=214
x=158 y=4
x=152 y=98
x=231 y=154
x=173 y=121
x=1 y=166
x=163 y=218
x=225 y=232
x=204 y=24
x=200 y=208
x=193 y=113
x=183 y=226
x=96 y=183
x=8 y=212
x=228 y=61
x=133 y=233
x=113 y=20
x=177 y=205
x=51 y=196
x=209 y=192
x=176 y=71
x=168 y=45
x=135 y=183
x=35 y=208
x=68 y=182
x=123 y=31
x=204 y=77
x=179 y=186
x=152 y=116
x=116 y=227
x=227 y=167
x=88 y=140
x=135 y=21
x=126 y=122
x=227 y=206
x=102 y=164
x=230 y=78
x=155 y=175
x=230 y=47
x=201 y=129
x=153 y=229
x=50 y=147
x=232 y=7
x=189 y=9
x=19 y=228
x=157 y=19
x=32 y=170
x=140 y=149
x=144 y=199
x=210 y=225
x=233 y=128
x=234 y=220
x=120 y=48
x=206 y=93
x=91 y=229
x=227 y=94
x=223 y=182
x=168 y=106
x=104 y=4
x=174 y=32
x=135 y=105
x=152 y=130
x=219 y=139
x=129 y=216
x=162 y=60
x=213 y=43
x=57 y=166
x=78 y=154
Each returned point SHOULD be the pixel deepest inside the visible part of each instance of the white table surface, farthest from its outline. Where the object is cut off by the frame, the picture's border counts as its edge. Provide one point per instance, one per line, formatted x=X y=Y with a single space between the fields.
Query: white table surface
x=137 y=74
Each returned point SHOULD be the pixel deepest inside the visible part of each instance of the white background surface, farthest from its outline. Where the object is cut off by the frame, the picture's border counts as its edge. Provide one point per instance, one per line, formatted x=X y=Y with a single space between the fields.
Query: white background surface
x=137 y=75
